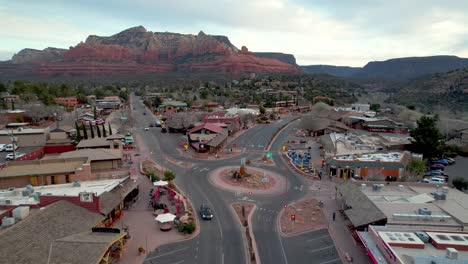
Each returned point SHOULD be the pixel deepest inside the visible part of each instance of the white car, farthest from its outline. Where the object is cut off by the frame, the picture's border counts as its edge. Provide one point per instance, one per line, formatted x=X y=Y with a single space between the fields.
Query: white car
x=2 y=147
x=146 y=128
x=12 y=157
x=9 y=147
x=434 y=180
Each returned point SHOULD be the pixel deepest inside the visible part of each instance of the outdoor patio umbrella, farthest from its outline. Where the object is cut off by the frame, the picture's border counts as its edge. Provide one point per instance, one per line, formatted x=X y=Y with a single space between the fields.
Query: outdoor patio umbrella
x=163 y=218
x=160 y=183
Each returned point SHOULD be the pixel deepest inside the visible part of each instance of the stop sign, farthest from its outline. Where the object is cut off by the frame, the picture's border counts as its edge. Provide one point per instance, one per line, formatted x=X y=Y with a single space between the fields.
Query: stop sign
x=293 y=217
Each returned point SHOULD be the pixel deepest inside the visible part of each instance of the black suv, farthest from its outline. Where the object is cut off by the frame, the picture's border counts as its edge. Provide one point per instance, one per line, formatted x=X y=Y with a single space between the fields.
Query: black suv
x=205 y=212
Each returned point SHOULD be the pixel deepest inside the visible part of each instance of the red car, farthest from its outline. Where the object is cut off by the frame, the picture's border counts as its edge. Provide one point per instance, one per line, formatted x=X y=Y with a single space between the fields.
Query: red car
x=437 y=166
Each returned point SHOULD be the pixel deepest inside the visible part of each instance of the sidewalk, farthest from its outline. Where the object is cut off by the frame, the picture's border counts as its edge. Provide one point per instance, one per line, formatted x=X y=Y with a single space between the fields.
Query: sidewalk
x=340 y=233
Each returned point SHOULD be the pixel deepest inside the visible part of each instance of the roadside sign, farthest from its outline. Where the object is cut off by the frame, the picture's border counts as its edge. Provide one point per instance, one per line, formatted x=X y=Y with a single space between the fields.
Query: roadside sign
x=265 y=180
x=123 y=118
x=269 y=155
x=293 y=217
x=186 y=147
x=243 y=160
x=284 y=148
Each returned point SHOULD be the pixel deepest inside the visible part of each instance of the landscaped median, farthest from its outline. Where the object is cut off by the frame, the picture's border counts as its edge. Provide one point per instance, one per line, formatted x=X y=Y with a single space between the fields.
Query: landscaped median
x=301 y=216
x=244 y=212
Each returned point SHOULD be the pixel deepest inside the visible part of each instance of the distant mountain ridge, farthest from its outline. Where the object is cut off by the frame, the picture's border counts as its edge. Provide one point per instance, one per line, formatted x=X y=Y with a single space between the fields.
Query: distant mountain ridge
x=394 y=69
x=136 y=50
x=341 y=71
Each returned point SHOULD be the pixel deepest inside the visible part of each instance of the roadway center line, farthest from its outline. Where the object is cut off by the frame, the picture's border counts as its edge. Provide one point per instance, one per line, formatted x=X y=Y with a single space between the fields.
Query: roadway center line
x=168 y=253
x=178 y=262
x=320 y=249
x=312 y=239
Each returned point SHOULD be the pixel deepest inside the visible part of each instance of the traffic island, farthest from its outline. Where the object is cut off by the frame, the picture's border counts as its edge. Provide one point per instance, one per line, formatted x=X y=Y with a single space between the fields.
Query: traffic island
x=302 y=216
x=244 y=212
x=247 y=180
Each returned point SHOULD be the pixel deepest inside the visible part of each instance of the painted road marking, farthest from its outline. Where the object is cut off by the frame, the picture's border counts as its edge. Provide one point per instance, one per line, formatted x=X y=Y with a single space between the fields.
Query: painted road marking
x=320 y=249
x=195 y=168
x=330 y=261
x=168 y=253
x=312 y=239
x=204 y=169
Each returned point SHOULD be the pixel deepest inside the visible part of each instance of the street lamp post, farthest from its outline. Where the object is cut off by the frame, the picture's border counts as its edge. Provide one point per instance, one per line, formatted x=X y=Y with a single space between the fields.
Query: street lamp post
x=121 y=207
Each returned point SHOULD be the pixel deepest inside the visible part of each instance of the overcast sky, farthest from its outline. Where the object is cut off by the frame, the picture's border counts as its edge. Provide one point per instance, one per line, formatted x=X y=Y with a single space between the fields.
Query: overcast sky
x=337 y=32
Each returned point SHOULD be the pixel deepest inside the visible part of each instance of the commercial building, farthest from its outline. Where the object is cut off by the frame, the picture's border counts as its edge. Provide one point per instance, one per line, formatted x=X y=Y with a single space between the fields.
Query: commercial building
x=376 y=124
x=169 y=107
x=60 y=233
x=316 y=126
x=364 y=166
x=387 y=245
x=25 y=137
x=207 y=137
x=44 y=172
x=69 y=102
x=100 y=159
x=233 y=122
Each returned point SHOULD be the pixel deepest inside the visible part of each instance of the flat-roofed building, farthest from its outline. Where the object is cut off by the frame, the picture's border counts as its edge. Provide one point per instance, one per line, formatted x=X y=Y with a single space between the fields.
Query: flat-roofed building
x=100 y=159
x=26 y=137
x=44 y=172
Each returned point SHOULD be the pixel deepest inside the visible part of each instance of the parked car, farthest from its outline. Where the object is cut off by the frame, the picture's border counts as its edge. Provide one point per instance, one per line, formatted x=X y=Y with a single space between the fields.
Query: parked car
x=146 y=128
x=440 y=161
x=158 y=123
x=437 y=166
x=450 y=161
x=433 y=180
x=435 y=173
x=2 y=147
x=9 y=147
x=205 y=212
x=10 y=156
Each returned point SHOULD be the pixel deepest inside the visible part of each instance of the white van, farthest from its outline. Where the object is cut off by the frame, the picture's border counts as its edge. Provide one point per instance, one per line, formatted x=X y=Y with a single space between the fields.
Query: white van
x=9 y=147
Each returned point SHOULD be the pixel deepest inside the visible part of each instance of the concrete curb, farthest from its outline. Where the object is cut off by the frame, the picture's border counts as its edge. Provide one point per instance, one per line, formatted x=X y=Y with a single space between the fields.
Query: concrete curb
x=277 y=133
x=254 y=243
x=249 y=225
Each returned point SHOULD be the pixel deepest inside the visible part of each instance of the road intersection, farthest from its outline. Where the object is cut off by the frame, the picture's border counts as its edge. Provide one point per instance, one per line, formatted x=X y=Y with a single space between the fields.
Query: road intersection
x=221 y=240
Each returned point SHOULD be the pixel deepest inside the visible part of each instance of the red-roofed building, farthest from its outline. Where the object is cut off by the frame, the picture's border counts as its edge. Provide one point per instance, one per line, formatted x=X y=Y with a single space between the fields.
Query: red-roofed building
x=233 y=122
x=67 y=101
x=207 y=137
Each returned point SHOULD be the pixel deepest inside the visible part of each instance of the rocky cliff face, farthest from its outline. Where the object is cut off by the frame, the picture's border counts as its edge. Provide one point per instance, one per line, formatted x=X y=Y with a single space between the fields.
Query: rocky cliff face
x=286 y=58
x=139 y=50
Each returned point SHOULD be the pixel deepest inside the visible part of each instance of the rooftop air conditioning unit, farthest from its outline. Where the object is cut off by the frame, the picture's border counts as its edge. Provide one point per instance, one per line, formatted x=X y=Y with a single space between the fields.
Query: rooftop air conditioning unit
x=375 y=187
x=363 y=186
x=8 y=221
x=8 y=201
x=401 y=188
x=76 y=184
x=440 y=196
x=21 y=212
x=451 y=253
x=423 y=236
x=424 y=211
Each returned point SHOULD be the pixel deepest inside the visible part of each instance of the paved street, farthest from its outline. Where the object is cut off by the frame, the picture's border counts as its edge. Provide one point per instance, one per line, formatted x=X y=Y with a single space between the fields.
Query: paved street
x=221 y=240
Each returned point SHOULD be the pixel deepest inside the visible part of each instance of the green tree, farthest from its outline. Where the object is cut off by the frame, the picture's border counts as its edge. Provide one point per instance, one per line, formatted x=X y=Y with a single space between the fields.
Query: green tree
x=195 y=98
x=460 y=183
x=110 y=129
x=94 y=112
x=92 y=130
x=417 y=167
x=3 y=88
x=204 y=94
x=104 y=132
x=12 y=105
x=375 y=107
x=157 y=102
x=98 y=131
x=169 y=176
x=427 y=137
x=262 y=109
x=85 y=132
x=78 y=134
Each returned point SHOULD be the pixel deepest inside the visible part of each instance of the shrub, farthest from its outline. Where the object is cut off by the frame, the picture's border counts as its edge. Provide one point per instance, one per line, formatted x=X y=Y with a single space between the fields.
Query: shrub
x=460 y=183
x=169 y=176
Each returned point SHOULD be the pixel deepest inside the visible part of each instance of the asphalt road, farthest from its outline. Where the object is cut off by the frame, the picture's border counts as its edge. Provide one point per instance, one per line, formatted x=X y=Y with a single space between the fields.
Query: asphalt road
x=221 y=239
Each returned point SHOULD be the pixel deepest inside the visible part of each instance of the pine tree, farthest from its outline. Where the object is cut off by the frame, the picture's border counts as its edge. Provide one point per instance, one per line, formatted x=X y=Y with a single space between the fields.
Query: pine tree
x=92 y=131
x=98 y=131
x=95 y=112
x=12 y=105
x=78 y=134
x=85 y=132
x=104 y=132
x=110 y=130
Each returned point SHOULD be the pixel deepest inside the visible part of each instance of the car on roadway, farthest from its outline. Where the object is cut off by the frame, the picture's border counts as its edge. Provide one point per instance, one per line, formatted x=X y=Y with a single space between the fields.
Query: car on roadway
x=151 y=125
x=2 y=147
x=205 y=212
x=144 y=113
x=433 y=180
x=10 y=147
x=450 y=161
x=158 y=123
x=10 y=156
x=146 y=128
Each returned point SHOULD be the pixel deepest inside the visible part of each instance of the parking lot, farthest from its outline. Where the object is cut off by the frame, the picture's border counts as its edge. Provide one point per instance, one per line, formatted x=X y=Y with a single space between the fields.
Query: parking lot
x=312 y=247
x=24 y=150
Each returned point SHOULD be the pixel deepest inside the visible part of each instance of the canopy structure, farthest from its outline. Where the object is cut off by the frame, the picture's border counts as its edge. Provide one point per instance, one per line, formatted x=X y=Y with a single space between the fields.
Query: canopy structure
x=160 y=183
x=164 y=218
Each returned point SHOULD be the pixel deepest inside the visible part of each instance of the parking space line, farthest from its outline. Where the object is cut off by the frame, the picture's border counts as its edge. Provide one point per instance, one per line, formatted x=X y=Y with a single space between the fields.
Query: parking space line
x=312 y=239
x=168 y=253
x=330 y=261
x=320 y=249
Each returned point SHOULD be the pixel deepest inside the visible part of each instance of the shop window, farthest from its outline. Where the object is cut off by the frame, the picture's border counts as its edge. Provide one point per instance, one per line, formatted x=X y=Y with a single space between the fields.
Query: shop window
x=52 y=179
x=67 y=178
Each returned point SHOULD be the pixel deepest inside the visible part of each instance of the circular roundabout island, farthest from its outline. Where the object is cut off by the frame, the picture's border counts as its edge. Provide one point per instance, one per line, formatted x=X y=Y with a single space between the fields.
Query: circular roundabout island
x=248 y=180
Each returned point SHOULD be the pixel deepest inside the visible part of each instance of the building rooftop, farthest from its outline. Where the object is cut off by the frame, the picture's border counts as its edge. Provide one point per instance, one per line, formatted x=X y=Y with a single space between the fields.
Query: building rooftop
x=207 y=126
x=87 y=247
x=381 y=157
x=97 y=187
x=94 y=154
x=30 y=240
x=42 y=167
x=93 y=143
x=22 y=131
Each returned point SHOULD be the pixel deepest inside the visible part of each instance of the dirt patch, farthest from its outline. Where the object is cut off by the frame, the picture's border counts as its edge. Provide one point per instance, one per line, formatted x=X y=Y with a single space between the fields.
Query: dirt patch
x=264 y=161
x=308 y=217
x=243 y=211
x=258 y=180
x=149 y=166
